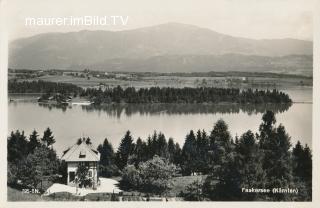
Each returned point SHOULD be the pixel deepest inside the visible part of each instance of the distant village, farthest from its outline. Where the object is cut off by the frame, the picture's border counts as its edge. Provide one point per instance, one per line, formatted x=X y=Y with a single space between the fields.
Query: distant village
x=216 y=79
x=86 y=73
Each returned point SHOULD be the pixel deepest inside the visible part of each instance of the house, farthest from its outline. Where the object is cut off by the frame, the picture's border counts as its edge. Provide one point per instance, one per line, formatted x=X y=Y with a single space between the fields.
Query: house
x=82 y=153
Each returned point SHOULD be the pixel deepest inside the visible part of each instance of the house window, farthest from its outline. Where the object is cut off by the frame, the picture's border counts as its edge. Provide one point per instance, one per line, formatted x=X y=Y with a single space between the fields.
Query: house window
x=90 y=173
x=72 y=176
x=82 y=154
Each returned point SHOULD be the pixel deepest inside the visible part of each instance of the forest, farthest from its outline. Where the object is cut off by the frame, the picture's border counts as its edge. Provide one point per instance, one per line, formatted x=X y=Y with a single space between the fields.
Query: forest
x=44 y=87
x=185 y=95
x=265 y=159
x=154 y=94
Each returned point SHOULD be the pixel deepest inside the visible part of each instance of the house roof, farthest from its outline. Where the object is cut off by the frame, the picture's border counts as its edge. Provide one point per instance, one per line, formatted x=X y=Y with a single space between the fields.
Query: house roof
x=81 y=153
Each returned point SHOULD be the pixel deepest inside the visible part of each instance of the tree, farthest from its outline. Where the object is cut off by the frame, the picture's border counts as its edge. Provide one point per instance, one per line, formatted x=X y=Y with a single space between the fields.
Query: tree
x=130 y=177
x=48 y=138
x=302 y=171
x=16 y=146
x=268 y=122
x=239 y=169
x=152 y=176
x=139 y=152
x=224 y=176
x=223 y=181
x=298 y=160
x=307 y=166
x=220 y=142
x=39 y=165
x=162 y=146
x=82 y=175
x=194 y=191
x=125 y=149
x=177 y=155
x=189 y=151
x=33 y=141
x=248 y=163
x=302 y=162
x=107 y=157
x=202 y=156
x=12 y=173
x=171 y=150
x=275 y=145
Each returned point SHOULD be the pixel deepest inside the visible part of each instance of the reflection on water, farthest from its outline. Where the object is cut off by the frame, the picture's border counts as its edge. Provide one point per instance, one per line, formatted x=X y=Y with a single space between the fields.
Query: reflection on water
x=116 y=110
x=68 y=123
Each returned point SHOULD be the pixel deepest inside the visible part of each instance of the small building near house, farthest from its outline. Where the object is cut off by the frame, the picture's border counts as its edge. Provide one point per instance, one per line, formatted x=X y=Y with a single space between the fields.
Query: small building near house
x=82 y=154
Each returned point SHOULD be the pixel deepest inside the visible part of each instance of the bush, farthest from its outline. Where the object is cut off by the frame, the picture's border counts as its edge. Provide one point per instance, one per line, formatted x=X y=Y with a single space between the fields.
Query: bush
x=151 y=176
x=194 y=191
x=131 y=177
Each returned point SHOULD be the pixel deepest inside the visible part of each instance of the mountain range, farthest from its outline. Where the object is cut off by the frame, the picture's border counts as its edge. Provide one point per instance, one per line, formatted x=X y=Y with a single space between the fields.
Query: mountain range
x=171 y=47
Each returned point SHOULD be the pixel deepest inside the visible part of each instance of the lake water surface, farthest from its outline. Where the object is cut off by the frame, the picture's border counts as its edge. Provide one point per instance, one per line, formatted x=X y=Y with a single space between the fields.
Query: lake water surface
x=173 y=120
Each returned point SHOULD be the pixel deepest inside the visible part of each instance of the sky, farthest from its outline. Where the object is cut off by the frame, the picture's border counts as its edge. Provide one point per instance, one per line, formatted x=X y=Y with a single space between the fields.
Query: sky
x=257 y=19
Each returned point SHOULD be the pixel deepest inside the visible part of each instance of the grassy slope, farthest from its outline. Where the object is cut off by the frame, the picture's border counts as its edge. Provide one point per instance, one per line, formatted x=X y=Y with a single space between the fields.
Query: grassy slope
x=180 y=183
x=17 y=195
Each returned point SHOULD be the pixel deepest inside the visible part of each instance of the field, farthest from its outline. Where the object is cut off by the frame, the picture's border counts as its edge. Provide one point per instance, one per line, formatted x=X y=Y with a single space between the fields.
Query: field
x=148 y=80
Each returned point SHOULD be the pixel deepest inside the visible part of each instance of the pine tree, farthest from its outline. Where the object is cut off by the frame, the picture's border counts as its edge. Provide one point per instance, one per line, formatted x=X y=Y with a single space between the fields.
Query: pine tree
x=149 y=150
x=248 y=163
x=125 y=149
x=107 y=166
x=106 y=153
x=241 y=168
x=298 y=160
x=16 y=145
x=162 y=146
x=177 y=160
x=222 y=166
x=268 y=122
x=139 y=152
x=48 y=138
x=171 y=150
x=33 y=141
x=275 y=144
x=154 y=144
x=202 y=156
x=220 y=142
x=189 y=151
x=307 y=165
x=302 y=162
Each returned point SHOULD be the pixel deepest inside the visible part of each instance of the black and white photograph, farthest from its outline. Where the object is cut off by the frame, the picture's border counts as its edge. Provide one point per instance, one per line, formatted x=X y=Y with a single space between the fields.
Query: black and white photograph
x=159 y=101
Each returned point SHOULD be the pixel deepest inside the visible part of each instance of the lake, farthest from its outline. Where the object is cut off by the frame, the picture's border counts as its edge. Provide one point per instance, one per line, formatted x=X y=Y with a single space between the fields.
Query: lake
x=70 y=123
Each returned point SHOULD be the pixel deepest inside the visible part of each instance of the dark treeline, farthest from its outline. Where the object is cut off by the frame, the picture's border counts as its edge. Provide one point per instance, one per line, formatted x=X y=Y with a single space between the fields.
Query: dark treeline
x=43 y=87
x=263 y=160
x=32 y=160
x=185 y=95
x=154 y=94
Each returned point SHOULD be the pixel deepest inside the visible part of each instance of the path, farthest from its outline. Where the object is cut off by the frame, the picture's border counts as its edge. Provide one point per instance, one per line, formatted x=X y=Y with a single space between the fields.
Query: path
x=107 y=186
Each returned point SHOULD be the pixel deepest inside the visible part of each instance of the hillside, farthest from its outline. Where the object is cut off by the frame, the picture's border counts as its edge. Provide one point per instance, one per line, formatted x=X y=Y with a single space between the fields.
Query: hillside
x=169 y=47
